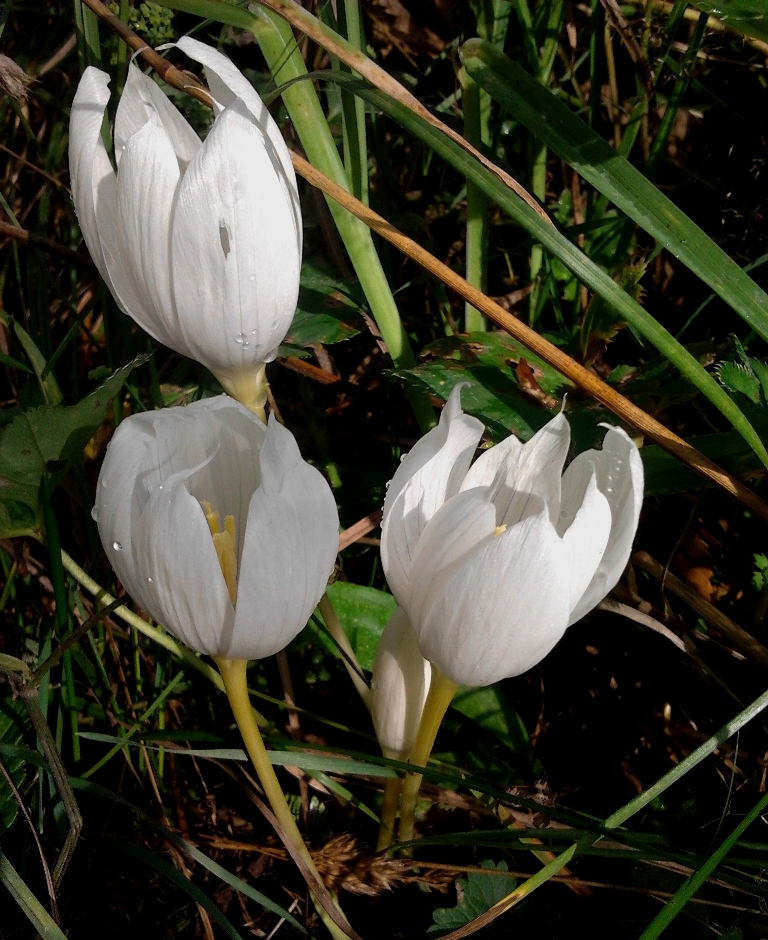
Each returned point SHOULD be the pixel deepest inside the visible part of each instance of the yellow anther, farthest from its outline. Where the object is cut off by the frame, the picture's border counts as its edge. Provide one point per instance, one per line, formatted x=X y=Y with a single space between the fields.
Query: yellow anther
x=499 y=530
x=211 y=516
x=225 y=544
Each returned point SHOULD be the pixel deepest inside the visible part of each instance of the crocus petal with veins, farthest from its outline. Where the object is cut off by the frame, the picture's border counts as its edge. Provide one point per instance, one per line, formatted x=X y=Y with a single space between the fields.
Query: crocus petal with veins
x=432 y=473
x=199 y=242
x=172 y=478
x=492 y=568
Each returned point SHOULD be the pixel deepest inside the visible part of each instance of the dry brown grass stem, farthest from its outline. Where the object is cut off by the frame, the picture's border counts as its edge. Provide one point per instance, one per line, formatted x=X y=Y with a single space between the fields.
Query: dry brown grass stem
x=588 y=381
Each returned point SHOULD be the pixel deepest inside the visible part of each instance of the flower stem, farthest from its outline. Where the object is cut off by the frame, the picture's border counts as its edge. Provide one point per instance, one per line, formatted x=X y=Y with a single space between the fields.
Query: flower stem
x=342 y=641
x=249 y=387
x=392 y=787
x=235 y=684
x=441 y=692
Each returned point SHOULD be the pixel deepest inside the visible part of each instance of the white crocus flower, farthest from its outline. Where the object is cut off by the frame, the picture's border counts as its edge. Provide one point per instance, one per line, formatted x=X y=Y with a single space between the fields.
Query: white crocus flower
x=399 y=687
x=199 y=242
x=493 y=562
x=216 y=526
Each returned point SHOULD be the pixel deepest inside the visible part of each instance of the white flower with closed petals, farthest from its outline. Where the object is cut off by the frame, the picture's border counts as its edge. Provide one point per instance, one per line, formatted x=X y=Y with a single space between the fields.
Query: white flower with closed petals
x=399 y=687
x=200 y=243
x=493 y=561
x=216 y=526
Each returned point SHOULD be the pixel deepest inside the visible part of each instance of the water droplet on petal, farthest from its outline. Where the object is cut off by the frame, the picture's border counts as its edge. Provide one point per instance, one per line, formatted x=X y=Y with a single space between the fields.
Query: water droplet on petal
x=252 y=277
x=150 y=580
x=104 y=482
x=117 y=546
x=95 y=514
x=160 y=487
x=241 y=340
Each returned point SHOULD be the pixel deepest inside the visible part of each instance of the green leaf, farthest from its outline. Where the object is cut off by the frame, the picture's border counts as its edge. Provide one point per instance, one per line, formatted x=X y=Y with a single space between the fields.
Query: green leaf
x=614 y=176
x=363 y=612
x=745 y=16
x=486 y=364
x=327 y=311
x=665 y=474
x=490 y=708
x=477 y=893
x=42 y=441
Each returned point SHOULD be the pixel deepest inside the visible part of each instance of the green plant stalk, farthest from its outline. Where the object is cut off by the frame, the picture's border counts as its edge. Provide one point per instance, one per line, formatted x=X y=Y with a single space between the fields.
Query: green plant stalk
x=279 y=47
x=353 y=109
x=392 y=788
x=233 y=672
x=283 y=56
x=626 y=812
x=477 y=205
x=441 y=692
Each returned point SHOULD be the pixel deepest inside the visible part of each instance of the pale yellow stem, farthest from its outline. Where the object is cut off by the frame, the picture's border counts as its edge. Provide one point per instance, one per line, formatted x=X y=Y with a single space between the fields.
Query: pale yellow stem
x=392 y=787
x=441 y=692
x=342 y=641
x=249 y=387
x=235 y=685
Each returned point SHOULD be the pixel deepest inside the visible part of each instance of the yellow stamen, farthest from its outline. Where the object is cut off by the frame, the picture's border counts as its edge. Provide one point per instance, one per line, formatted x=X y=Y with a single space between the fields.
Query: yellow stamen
x=499 y=530
x=225 y=544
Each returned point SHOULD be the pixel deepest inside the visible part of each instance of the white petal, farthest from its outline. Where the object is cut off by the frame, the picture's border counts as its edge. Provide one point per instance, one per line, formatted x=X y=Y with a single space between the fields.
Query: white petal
x=226 y=83
x=115 y=505
x=183 y=585
x=502 y=610
x=537 y=473
x=141 y=100
x=146 y=188
x=484 y=470
x=619 y=471
x=451 y=537
x=236 y=261
x=429 y=474
x=290 y=548
x=92 y=176
x=399 y=687
x=586 y=539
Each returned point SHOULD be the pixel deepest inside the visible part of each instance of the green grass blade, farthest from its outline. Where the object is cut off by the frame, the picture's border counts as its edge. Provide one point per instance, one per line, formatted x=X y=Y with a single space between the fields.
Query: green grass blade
x=573 y=140
x=40 y=919
x=692 y=884
x=176 y=878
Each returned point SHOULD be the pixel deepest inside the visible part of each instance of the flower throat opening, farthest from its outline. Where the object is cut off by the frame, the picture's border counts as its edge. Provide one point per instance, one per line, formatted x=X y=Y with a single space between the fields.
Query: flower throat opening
x=225 y=543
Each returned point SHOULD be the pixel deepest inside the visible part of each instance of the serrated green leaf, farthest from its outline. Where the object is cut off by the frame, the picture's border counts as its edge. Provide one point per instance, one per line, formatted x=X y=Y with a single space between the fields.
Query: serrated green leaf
x=737 y=378
x=477 y=894
x=43 y=441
